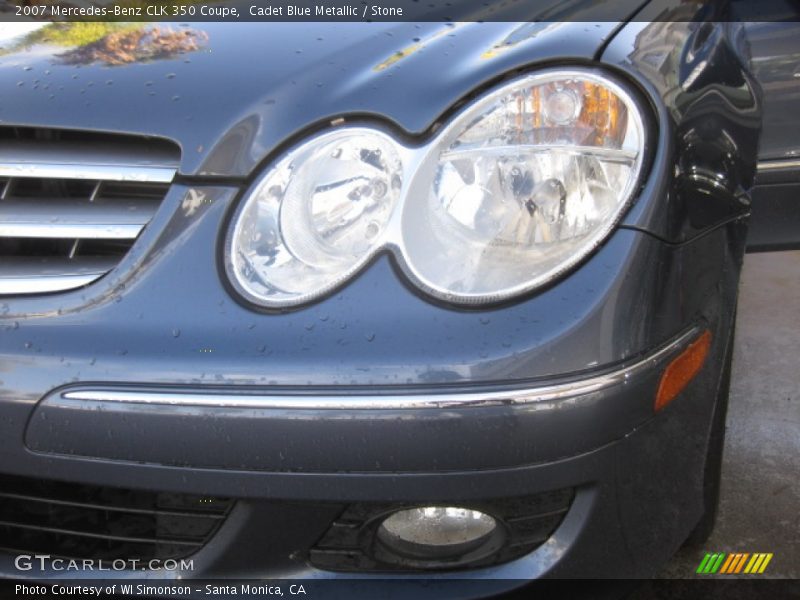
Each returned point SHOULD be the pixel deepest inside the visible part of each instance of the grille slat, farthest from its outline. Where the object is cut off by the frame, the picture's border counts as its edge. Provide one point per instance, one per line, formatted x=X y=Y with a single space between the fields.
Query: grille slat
x=108 y=507
x=57 y=219
x=32 y=275
x=110 y=160
x=73 y=203
x=100 y=536
x=82 y=521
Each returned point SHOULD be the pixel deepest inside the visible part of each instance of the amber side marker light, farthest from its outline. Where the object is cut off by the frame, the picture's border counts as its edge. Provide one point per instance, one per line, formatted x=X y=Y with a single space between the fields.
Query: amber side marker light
x=682 y=370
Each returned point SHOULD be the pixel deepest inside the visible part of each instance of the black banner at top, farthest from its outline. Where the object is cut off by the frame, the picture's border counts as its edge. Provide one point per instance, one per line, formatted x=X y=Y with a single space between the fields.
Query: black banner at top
x=394 y=10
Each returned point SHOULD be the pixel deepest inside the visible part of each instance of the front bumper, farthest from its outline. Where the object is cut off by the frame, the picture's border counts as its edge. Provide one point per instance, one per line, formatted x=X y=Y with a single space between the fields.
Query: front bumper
x=635 y=485
x=636 y=477
x=295 y=430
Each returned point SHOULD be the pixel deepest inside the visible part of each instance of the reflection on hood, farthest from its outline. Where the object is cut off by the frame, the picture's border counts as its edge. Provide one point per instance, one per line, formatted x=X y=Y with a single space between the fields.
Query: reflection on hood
x=114 y=43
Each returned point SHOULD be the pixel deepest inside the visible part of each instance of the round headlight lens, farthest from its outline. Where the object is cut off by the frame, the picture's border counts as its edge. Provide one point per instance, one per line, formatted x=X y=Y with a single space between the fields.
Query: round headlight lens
x=314 y=218
x=522 y=185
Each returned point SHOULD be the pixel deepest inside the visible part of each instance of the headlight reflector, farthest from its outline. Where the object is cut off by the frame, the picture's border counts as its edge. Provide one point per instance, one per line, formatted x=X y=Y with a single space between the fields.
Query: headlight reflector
x=516 y=189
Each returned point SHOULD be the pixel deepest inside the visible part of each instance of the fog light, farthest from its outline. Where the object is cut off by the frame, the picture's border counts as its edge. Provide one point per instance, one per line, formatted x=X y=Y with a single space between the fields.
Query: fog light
x=436 y=532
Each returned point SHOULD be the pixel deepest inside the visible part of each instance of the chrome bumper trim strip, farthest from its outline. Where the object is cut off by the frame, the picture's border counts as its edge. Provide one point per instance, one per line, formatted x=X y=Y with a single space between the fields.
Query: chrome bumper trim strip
x=524 y=396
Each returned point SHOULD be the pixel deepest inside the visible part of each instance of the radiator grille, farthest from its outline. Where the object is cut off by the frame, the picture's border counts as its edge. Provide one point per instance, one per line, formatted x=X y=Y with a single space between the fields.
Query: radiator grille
x=81 y=521
x=73 y=203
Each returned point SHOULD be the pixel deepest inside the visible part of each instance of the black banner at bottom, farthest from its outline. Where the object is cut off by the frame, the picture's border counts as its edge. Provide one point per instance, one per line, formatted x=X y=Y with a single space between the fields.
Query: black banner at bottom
x=415 y=588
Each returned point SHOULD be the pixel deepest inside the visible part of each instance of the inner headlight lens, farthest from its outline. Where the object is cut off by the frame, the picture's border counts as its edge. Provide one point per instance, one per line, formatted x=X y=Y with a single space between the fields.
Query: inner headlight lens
x=519 y=187
x=313 y=219
x=522 y=185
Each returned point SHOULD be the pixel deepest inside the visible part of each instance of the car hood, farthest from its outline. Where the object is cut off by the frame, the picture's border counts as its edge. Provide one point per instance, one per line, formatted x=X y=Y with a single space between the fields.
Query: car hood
x=230 y=94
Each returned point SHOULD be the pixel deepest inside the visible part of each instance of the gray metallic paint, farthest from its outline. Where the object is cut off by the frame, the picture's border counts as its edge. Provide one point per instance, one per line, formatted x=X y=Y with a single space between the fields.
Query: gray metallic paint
x=297 y=75
x=165 y=316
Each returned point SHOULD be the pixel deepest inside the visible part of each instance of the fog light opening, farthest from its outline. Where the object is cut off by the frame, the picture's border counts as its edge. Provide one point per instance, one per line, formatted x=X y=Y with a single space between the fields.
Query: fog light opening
x=439 y=533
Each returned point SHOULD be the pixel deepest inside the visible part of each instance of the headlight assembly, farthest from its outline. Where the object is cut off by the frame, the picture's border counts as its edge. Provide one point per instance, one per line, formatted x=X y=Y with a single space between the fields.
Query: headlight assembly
x=518 y=187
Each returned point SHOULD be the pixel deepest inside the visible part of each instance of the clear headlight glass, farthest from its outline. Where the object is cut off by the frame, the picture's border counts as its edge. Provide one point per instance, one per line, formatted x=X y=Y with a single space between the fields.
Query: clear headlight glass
x=516 y=189
x=522 y=185
x=314 y=218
